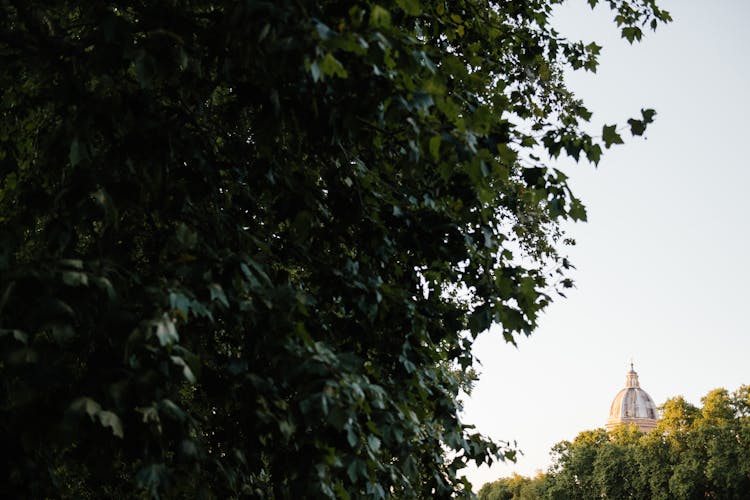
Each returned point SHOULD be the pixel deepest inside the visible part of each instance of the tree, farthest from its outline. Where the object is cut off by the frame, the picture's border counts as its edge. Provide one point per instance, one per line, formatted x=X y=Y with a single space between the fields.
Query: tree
x=505 y=488
x=245 y=247
x=692 y=453
x=570 y=475
x=516 y=487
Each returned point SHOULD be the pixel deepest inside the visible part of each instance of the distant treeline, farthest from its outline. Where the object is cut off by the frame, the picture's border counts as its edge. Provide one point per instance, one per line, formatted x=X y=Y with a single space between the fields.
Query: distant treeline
x=693 y=453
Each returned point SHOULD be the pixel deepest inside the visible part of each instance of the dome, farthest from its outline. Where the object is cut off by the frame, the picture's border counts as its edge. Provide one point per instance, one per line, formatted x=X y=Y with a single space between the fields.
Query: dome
x=633 y=405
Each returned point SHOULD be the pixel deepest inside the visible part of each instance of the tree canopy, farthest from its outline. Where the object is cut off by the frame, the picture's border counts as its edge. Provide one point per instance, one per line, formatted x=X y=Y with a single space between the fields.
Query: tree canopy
x=245 y=246
x=693 y=453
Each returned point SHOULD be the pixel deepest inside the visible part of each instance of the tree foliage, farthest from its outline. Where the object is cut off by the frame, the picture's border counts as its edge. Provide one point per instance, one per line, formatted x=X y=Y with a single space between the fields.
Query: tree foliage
x=245 y=246
x=693 y=453
x=516 y=487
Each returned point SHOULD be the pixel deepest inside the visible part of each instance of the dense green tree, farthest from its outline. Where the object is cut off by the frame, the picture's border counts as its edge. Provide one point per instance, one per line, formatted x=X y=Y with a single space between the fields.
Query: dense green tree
x=656 y=464
x=617 y=470
x=573 y=465
x=693 y=453
x=245 y=246
x=505 y=488
x=516 y=487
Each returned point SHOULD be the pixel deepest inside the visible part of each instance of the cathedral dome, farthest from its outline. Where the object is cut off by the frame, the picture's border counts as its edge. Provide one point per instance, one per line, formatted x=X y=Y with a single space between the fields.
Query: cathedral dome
x=633 y=405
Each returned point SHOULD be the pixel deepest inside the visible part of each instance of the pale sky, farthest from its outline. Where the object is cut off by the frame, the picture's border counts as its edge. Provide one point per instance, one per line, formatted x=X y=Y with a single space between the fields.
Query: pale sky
x=663 y=266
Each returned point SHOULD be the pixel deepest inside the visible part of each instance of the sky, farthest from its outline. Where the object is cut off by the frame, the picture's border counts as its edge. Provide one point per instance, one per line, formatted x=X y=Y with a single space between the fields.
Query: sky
x=662 y=264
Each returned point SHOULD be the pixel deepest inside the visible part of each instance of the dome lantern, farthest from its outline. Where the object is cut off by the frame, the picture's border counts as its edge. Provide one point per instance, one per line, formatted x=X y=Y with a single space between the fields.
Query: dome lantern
x=632 y=380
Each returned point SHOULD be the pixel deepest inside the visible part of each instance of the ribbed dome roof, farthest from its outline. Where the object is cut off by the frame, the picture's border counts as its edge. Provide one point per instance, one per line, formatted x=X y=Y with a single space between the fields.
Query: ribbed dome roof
x=633 y=405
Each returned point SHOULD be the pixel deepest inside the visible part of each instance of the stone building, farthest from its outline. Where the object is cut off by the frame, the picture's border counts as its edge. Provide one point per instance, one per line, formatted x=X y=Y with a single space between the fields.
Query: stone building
x=633 y=405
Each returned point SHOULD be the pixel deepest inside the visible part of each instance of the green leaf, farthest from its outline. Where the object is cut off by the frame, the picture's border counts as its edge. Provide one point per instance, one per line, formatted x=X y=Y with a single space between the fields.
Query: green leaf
x=637 y=127
x=593 y=48
x=610 y=135
x=632 y=33
x=351 y=471
x=104 y=200
x=374 y=443
x=187 y=372
x=435 y=147
x=18 y=335
x=166 y=331
x=149 y=414
x=577 y=211
x=172 y=410
x=507 y=154
x=422 y=101
x=217 y=293
x=374 y=490
x=351 y=436
x=109 y=419
x=315 y=71
x=411 y=7
x=72 y=263
x=261 y=273
x=151 y=477
x=75 y=278
x=78 y=152
x=324 y=32
x=94 y=411
x=332 y=67
x=106 y=285
x=180 y=302
x=86 y=405
x=380 y=17
x=593 y=153
x=185 y=236
x=287 y=428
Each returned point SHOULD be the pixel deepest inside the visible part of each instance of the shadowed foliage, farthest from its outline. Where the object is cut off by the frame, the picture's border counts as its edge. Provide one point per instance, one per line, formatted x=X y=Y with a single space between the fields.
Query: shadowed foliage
x=245 y=246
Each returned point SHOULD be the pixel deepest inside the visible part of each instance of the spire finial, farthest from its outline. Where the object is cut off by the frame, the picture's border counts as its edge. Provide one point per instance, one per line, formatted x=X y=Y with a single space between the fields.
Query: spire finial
x=632 y=380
